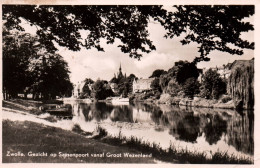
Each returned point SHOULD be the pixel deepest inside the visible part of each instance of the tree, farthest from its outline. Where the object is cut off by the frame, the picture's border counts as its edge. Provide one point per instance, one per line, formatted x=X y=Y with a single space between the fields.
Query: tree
x=157 y=73
x=86 y=90
x=18 y=48
x=101 y=90
x=155 y=85
x=50 y=75
x=63 y=23
x=130 y=79
x=181 y=77
x=114 y=80
x=212 y=85
x=88 y=81
x=212 y=27
x=191 y=87
x=182 y=70
x=27 y=66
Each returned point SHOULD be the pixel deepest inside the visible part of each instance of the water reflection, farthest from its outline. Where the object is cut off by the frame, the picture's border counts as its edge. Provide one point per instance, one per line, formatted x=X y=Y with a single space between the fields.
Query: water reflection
x=196 y=127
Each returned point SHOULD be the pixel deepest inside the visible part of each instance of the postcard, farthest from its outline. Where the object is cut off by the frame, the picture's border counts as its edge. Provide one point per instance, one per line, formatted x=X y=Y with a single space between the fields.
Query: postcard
x=139 y=84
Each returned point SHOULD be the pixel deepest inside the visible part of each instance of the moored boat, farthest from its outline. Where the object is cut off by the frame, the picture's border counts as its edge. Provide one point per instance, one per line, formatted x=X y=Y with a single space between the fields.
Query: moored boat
x=120 y=101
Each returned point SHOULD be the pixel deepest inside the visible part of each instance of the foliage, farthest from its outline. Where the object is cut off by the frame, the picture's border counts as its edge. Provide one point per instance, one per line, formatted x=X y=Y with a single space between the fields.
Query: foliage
x=164 y=80
x=62 y=24
x=173 y=88
x=114 y=80
x=182 y=70
x=101 y=90
x=175 y=79
x=88 y=81
x=125 y=85
x=241 y=83
x=211 y=27
x=212 y=85
x=157 y=73
x=86 y=91
x=17 y=49
x=191 y=87
x=155 y=85
x=28 y=67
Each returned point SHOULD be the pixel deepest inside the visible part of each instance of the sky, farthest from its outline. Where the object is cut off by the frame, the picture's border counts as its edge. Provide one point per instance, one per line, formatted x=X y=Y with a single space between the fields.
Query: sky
x=103 y=65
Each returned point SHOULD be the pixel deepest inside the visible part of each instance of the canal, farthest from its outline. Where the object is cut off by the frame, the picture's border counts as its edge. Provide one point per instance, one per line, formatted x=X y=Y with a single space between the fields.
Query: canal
x=196 y=129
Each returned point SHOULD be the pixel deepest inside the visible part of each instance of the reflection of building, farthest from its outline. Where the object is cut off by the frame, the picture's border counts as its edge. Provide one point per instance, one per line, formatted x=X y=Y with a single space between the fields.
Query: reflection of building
x=141 y=85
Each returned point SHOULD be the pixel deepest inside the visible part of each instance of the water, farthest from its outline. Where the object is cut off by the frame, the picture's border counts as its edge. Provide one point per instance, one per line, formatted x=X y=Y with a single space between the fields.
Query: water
x=197 y=129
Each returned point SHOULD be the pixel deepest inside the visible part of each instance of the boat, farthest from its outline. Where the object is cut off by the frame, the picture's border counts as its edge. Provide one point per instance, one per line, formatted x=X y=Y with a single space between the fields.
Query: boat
x=120 y=101
x=70 y=100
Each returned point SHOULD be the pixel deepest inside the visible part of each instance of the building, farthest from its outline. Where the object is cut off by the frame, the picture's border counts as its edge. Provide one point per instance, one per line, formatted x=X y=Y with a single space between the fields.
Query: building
x=141 y=85
x=78 y=89
x=224 y=71
x=116 y=80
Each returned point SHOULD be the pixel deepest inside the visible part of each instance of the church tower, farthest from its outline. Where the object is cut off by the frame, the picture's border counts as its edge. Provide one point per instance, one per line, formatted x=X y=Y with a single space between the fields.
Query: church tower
x=120 y=74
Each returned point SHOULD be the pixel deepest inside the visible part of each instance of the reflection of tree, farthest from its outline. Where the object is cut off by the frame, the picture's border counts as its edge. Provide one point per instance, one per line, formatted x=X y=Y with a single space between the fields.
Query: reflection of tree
x=86 y=109
x=156 y=116
x=123 y=114
x=241 y=133
x=214 y=129
x=188 y=129
x=97 y=111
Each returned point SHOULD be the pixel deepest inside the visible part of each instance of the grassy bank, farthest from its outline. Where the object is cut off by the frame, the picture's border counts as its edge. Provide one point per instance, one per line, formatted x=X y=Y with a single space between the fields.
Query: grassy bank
x=27 y=136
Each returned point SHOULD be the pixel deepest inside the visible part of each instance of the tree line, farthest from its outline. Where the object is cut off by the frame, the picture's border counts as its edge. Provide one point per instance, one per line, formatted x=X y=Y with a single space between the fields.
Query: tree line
x=182 y=81
x=179 y=81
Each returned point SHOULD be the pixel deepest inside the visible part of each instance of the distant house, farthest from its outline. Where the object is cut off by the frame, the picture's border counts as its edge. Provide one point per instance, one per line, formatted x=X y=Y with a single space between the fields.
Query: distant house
x=78 y=89
x=141 y=85
x=224 y=71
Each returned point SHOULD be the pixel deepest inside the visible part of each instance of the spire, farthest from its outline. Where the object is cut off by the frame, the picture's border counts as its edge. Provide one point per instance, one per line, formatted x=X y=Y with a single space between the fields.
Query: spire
x=120 y=74
x=120 y=67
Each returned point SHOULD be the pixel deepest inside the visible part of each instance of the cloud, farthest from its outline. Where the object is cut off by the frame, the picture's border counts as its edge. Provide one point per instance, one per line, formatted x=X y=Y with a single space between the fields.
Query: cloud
x=156 y=60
